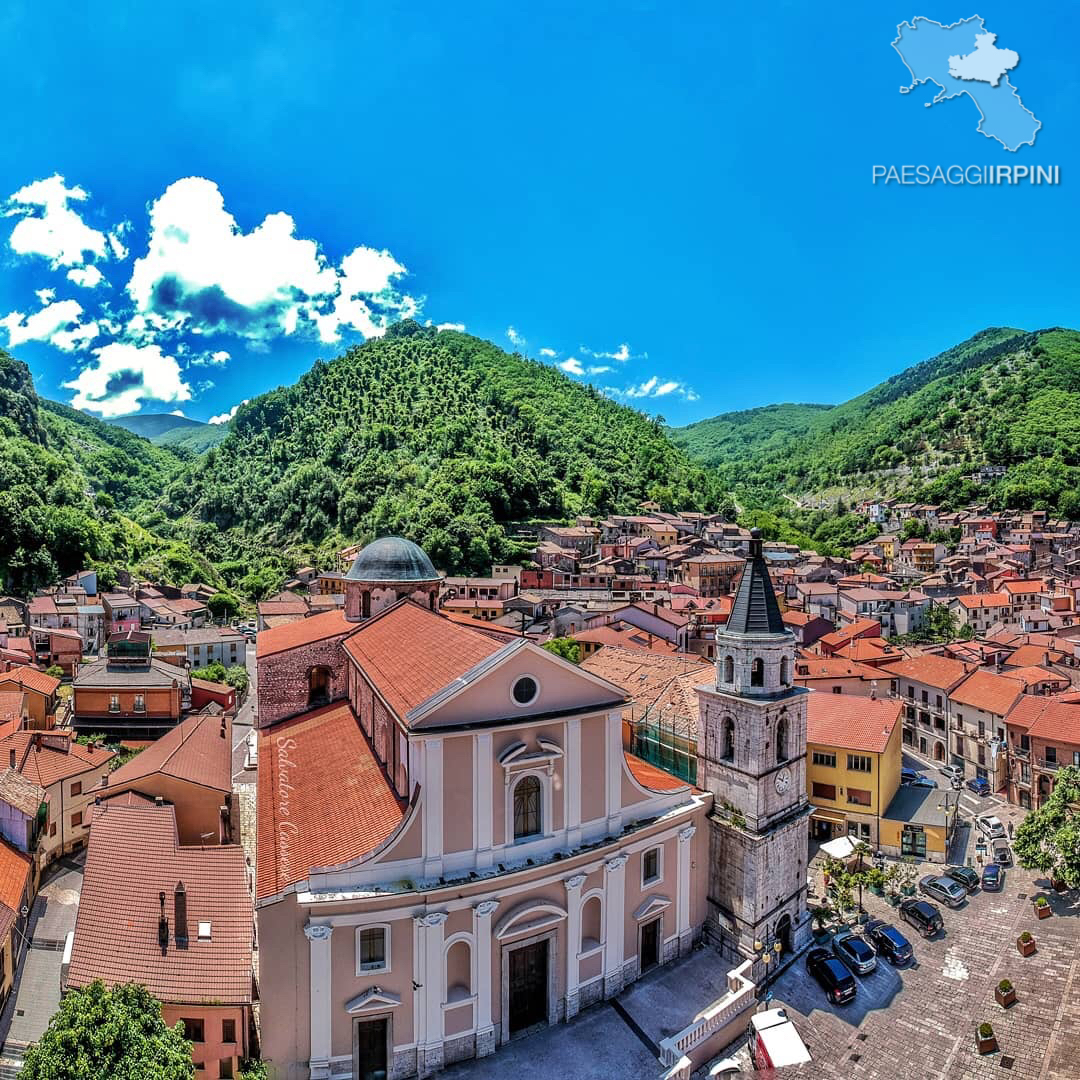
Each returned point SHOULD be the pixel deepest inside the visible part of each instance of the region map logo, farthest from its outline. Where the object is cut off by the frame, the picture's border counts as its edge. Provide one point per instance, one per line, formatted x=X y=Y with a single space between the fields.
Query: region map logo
x=963 y=60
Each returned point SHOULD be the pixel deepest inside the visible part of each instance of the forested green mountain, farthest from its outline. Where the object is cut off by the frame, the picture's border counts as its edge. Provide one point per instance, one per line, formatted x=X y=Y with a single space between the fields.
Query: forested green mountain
x=179 y=433
x=436 y=435
x=71 y=490
x=1005 y=397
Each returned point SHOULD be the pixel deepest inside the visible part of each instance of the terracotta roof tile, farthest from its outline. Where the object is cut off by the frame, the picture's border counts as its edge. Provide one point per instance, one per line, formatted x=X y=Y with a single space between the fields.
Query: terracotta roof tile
x=339 y=803
x=853 y=723
x=14 y=872
x=194 y=750
x=989 y=692
x=23 y=794
x=132 y=857
x=409 y=653
x=32 y=679
x=937 y=671
x=302 y=632
x=45 y=757
x=649 y=776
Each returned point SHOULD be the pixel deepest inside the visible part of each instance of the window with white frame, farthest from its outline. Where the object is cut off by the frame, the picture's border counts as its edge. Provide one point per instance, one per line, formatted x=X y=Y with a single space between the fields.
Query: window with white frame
x=652 y=866
x=372 y=949
x=528 y=808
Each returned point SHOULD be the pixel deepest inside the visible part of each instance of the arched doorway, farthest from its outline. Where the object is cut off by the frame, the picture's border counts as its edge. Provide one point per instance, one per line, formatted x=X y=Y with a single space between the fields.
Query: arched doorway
x=939 y=751
x=1045 y=787
x=318 y=687
x=783 y=934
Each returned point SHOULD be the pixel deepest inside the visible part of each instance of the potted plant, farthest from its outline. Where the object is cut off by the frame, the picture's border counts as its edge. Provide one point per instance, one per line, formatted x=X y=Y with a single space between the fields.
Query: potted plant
x=1005 y=993
x=891 y=879
x=875 y=880
x=1025 y=944
x=907 y=876
x=985 y=1042
x=820 y=916
x=1042 y=907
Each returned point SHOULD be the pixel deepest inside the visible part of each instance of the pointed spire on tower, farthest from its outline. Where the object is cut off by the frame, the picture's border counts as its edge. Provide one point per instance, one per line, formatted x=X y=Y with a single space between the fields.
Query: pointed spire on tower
x=755 y=610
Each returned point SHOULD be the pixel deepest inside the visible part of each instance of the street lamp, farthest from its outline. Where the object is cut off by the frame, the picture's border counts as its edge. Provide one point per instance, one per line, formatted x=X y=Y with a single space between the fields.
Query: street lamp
x=764 y=952
x=950 y=823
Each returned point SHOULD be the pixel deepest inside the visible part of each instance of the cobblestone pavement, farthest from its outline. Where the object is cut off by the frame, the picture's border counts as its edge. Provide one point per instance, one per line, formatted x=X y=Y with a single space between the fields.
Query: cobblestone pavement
x=920 y=1022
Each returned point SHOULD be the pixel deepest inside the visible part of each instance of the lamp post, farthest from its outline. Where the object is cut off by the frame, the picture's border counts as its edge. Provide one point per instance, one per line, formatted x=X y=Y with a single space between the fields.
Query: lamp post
x=766 y=953
x=950 y=822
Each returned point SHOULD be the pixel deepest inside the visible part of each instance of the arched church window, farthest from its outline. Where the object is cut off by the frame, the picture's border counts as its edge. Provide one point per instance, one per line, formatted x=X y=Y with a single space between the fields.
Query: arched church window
x=729 y=669
x=757 y=672
x=527 y=814
x=781 y=739
x=785 y=671
x=728 y=750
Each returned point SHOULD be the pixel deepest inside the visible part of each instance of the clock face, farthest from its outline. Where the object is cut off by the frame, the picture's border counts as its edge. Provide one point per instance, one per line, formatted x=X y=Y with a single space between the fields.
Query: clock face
x=783 y=781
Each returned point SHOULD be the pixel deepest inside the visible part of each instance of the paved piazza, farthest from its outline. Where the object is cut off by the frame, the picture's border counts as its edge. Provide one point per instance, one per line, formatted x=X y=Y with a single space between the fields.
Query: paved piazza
x=920 y=1022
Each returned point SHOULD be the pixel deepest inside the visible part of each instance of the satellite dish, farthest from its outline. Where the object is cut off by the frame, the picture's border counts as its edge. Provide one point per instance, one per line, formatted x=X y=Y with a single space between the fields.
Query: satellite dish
x=24 y=910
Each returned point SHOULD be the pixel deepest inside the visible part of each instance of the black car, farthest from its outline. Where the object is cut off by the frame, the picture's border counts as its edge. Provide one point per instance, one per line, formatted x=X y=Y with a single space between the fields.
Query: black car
x=924 y=916
x=967 y=877
x=889 y=942
x=992 y=877
x=835 y=979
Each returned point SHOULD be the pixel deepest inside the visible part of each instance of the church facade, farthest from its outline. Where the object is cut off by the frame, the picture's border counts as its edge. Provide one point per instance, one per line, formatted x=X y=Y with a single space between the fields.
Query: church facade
x=453 y=847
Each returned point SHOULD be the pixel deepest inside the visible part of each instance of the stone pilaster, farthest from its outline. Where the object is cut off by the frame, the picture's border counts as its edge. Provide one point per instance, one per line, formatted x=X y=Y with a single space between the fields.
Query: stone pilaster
x=319 y=976
x=615 y=907
x=430 y=936
x=683 y=926
x=573 y=943
x=485 y=1030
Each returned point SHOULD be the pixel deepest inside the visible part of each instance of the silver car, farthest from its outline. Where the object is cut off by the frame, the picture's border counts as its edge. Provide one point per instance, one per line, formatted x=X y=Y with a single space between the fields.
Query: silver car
x=944 y=889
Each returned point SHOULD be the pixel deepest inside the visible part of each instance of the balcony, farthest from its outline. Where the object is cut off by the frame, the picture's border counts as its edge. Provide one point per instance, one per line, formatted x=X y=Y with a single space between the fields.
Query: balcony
x=1047 y=766
x=1020 y=753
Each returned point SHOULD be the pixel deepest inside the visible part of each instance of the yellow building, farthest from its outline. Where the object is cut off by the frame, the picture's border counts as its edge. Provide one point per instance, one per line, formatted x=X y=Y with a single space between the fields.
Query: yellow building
x=853 y=762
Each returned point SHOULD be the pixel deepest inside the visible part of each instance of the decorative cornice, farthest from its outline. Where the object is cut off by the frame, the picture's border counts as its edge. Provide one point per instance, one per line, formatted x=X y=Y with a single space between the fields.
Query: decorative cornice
x=687 y=833
x=486 y=908
x=575 y=882
x=616 y=864
x=433 y=918
x=318 y=931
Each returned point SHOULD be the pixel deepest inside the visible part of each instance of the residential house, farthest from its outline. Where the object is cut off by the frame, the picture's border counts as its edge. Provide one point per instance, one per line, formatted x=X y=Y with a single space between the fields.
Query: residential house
x=979 y=706
x=655 y=619
x=817 y=598
x=57 y=647
x=924 y=683
x=190 y=768
x=17 y=881
x=39 y=692
x=833 y=642
x=897 y=612
x=835 y=675
x=122 y=613
x=175 y=919
x=70 y=775
x=198 y=648
x=1043 y=735
x=711 y=575
x=853 y=760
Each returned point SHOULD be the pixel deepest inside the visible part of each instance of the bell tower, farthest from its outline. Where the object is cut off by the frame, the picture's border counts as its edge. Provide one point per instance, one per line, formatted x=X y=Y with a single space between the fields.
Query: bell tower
x=752 y=757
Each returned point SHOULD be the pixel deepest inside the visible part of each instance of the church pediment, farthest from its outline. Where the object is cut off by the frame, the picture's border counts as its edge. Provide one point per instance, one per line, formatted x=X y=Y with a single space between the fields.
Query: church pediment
x=374 y=999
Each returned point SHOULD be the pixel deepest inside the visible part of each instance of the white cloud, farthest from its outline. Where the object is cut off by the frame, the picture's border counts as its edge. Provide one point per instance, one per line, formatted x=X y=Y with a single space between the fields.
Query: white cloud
x=89 y=277
x=572 y=366
x=225 y=417
x=45 y=296
x=50 y=227
x=177 y=412
x=622 y=354
x=122 y=376
x=548 y=352
x=515 y=337
x=56 y=324
x=204 y=274
x=655 y=387
x=213 y=359
x=460 y=326
x=599 y=369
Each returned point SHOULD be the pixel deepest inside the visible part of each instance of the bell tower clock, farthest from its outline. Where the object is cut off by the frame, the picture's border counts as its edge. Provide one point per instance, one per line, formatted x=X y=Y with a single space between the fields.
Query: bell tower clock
x=752 y=757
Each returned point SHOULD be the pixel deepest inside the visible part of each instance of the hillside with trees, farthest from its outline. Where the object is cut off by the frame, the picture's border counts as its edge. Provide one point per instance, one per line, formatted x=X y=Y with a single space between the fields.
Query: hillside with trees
x=435 y=435
x=1004 y=397
x=72 y=490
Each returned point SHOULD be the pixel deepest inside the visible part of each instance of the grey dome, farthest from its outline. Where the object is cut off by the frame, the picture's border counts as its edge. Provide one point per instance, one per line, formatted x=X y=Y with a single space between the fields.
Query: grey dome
x=392 y=558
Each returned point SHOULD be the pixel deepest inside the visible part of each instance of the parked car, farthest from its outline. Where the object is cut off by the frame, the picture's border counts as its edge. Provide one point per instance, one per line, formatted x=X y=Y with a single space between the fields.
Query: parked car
x=999 y=848
x=993 y=878
x=979 y=785
x=922 y=915
x=990 y=827
x=856 y=953
x=909 y=776
x=889 y=942
x=944 y=889
x=835 y=979
x=924 y=781
x=967 y=877
x=952 y=770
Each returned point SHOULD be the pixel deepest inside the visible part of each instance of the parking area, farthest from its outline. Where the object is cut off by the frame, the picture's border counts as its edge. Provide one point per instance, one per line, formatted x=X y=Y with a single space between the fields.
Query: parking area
x=919 y=1022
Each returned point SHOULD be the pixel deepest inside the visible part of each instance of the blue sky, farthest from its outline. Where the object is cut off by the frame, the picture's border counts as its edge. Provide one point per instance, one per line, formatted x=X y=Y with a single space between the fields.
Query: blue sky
x=679 y=193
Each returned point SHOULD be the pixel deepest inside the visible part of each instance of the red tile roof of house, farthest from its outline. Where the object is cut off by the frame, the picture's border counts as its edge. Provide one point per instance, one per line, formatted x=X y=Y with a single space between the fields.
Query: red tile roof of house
x=658 y=611
x=1056 y=719
x=14 y=874
x=482 y=626
x=302 y=632
x=984 y=600
x=1016 y=588
x=937 y=671
x=44 y=763
x=323 y=798
x=133 y=856
x=11 y=710
x=624 y=634
x=31 y=679
x=853 y=723
x=41 y=605
x=810 y=666
x=409 y=653
x=989 y=692
x=797 y=618
x=196 y=750
x=1024 y=656
x=1034 y=674
x=865 y=578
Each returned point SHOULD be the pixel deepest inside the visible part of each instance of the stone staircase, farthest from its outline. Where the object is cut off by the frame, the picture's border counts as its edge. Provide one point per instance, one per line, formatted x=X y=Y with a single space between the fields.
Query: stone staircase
x=11 y=1060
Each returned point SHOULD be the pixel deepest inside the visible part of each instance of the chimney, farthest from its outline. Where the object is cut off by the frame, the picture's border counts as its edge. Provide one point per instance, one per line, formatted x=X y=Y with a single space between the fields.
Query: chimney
x=162 y=926
x=223 y=727
x=158 y=800
x=180 y=915
x=11 y=759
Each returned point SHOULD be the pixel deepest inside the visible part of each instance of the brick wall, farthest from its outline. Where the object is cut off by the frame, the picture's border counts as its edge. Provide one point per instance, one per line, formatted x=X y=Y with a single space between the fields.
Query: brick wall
x=283 y=678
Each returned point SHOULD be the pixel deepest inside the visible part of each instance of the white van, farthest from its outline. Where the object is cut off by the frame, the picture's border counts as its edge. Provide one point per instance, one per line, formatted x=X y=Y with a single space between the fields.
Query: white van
x=775 y=1041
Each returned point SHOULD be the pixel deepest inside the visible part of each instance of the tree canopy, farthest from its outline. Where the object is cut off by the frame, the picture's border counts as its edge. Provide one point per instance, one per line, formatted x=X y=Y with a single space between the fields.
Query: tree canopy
x=1048 y=839
x=116 y=1032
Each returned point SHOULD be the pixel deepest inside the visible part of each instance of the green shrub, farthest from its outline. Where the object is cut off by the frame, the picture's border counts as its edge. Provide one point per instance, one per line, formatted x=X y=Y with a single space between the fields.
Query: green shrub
x=986 y=1031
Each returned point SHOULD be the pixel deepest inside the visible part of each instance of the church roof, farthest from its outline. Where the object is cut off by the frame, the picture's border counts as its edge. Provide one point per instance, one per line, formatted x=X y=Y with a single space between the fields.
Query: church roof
x=392 y=558
x=755 y=610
